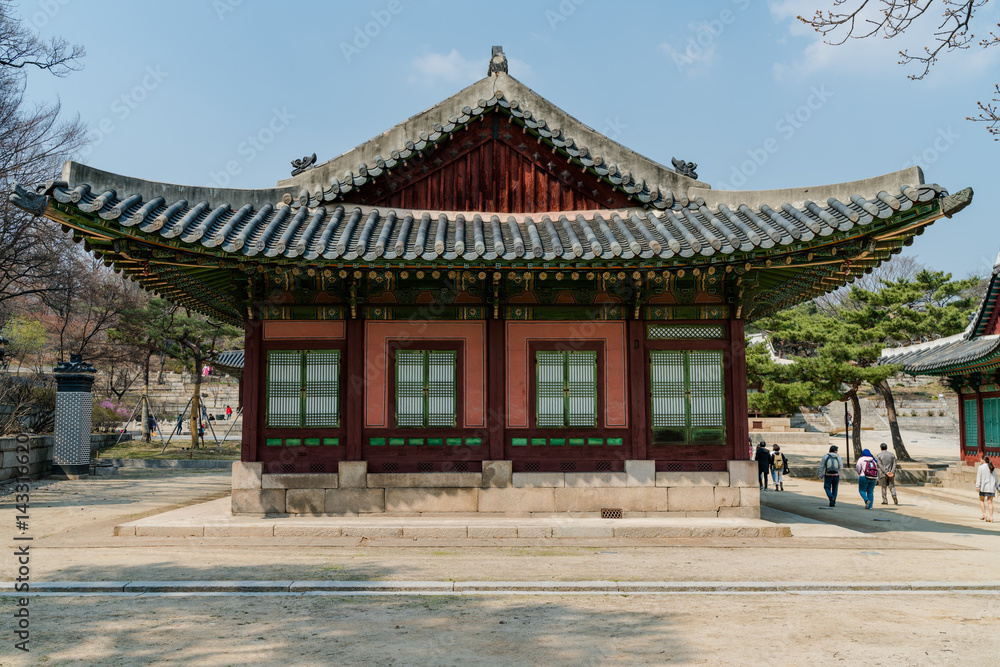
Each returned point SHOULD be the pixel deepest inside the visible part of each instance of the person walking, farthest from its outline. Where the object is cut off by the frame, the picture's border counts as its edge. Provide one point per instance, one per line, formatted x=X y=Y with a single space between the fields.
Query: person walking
x=180 y=423
x=887 y=474
x=229 y=413
x=867 y=468
x=151 y=423
x=986 y=485
x=763 y=458
x=779 y=465
x=829 y=470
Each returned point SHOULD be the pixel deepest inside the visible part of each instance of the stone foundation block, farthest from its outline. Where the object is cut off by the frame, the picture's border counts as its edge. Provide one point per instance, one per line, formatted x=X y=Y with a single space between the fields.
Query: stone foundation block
x=583 y=531
x=305 y=501
x=534 y=531
x=431 y=500
x=640 y=473
x=642 y=499
x=247 y=475
x=591 y=480
x=258 y=501
x=300 y=481
x=239 y=531
x=352 y=474
x=354 y=501
x=425 y=480
x=434 y=531
x=750 y=497
x=373 y=531
x=491 y=532
x=307 y=531
x=692 y=479
x=726 y=496
x=169 y=531
x=497 y=474
x=531 y=480
x=742 y=473
x=692 y=498
x=514 y=500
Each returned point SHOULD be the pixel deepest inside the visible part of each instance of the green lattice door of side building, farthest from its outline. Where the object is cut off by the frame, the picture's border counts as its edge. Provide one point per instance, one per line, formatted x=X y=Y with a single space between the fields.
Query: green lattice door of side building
x=687 y=397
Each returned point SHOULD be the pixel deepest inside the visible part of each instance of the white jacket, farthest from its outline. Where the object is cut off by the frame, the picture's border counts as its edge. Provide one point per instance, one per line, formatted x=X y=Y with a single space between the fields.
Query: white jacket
x=986 y=481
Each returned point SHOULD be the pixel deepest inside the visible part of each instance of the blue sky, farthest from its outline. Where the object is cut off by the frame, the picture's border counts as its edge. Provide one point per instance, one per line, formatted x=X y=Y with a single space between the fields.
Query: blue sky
x=173 y=90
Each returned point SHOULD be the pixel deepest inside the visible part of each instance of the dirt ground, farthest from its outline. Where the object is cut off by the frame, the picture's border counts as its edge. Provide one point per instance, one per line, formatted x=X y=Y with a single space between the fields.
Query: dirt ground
x=518 y=630
x=925 y=538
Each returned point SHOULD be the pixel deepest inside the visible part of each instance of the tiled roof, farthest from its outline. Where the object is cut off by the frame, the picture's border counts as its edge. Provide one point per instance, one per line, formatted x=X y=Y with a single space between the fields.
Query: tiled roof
x=292 y=229
x=230 y=362
x=941 y=355
x=980 y=321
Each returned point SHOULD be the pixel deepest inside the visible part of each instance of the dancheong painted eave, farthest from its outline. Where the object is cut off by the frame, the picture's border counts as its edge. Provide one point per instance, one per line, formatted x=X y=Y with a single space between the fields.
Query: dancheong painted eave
x=194 y=232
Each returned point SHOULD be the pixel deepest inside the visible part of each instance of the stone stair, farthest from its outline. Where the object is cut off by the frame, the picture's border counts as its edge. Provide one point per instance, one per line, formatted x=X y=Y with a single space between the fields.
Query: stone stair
x=957 y=475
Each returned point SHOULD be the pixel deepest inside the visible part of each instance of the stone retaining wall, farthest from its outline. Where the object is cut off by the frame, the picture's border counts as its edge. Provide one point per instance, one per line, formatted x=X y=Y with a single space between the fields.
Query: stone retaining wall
x=637 y=492
x=39 y=457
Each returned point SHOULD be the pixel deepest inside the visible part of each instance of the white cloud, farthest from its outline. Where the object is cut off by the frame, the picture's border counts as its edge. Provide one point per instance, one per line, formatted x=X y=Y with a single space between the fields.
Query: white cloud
x=696 y=54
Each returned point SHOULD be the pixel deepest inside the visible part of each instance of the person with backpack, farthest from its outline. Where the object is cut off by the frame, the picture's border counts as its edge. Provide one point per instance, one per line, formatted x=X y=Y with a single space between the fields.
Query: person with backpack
x=986 y=486
x=867 y=468
x=829 y=471
x=779 y=467
x=763 y=458
x=887 y=473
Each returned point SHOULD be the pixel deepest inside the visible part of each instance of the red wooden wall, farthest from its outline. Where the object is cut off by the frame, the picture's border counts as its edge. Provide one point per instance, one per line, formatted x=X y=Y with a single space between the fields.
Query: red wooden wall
x=492 y=167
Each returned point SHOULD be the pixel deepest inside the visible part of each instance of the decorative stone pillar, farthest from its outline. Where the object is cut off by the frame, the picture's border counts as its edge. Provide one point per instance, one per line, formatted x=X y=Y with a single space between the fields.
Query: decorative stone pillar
x=74 y=404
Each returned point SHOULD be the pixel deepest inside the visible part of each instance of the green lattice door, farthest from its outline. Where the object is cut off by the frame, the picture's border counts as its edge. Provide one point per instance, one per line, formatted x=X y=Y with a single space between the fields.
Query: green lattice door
x=687 y=397
x=426 y=388
x=303 y=389
x=566 y=389
x=971 y=427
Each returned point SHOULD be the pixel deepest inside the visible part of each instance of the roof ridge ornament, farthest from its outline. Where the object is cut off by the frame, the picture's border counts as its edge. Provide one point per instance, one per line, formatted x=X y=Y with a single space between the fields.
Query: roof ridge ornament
x=685 y=168
x=498 y=62
x=304 y=164
x=27 y=200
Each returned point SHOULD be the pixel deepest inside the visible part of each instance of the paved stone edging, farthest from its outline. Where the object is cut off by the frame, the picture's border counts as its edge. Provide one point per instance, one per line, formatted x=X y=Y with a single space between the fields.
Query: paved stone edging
x=482 y=587
x=169 y=463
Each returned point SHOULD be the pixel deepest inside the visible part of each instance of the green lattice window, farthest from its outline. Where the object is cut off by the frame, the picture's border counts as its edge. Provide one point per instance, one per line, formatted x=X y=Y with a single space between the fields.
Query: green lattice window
x=991 y=422
x=679 y=331
x=687 y=392
x=426 y=388
x=566 y=389
x=971 y=424
x=303 y=388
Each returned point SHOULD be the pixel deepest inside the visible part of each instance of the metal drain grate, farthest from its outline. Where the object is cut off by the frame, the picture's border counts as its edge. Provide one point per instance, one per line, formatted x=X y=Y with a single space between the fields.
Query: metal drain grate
x=425 y=466
x=567 y=466
x=611 y=513
x=460 y=466
x=532 y=466
x=390 y=467
x=674 y=466
x=317 y=467
x=705 y=466
x=602 y=465
x=286 y=468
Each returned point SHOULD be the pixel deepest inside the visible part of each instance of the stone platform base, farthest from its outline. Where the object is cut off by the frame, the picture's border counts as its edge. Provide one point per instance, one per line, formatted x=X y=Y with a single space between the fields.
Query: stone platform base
x=637 y=492
x=213 y=519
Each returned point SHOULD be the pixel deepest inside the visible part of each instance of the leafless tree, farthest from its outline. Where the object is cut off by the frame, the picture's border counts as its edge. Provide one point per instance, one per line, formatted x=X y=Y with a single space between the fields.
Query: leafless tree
x=862 y=19
x=900 y=268
x=34 y=142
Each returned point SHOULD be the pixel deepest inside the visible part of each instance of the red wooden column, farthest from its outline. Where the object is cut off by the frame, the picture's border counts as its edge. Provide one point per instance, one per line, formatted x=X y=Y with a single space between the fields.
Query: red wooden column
x=638 y=395
x=252 y=385
x=354 y=407
x=496 y=414
x=738 y=383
